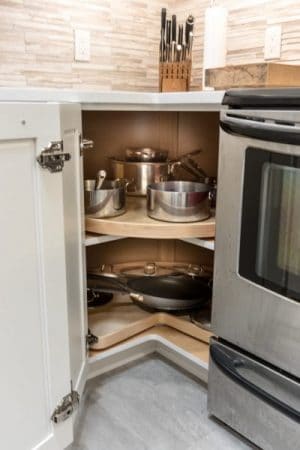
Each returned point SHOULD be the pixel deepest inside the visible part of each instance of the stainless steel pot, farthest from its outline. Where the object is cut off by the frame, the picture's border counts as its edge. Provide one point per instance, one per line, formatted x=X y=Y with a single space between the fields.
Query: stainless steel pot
x=178 y=201
x=109 y=201
x=145 y=154
x=143 y=173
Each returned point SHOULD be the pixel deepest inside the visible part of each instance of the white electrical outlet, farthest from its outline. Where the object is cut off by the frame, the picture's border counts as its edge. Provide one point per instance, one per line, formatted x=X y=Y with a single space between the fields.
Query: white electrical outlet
x=82 y=45
x=273 y=42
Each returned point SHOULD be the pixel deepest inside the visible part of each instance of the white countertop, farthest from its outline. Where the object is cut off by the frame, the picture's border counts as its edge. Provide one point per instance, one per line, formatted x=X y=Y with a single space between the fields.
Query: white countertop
x=100 y=100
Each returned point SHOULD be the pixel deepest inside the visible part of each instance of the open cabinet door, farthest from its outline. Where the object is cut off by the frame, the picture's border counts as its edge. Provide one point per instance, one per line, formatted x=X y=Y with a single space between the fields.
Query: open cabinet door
x=34 y=339
x=74 y=242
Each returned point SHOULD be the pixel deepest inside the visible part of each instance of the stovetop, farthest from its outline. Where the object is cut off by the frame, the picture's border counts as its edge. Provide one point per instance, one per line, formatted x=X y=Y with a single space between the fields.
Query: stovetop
x=285 y=98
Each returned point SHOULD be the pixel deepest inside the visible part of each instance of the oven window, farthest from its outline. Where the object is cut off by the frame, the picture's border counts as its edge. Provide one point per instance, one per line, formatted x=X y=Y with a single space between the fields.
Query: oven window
x=270 y=233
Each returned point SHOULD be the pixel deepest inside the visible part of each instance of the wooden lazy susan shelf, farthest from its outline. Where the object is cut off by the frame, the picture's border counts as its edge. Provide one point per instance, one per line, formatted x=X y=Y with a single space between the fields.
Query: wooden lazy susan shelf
x=121 y=319
x=136 y=223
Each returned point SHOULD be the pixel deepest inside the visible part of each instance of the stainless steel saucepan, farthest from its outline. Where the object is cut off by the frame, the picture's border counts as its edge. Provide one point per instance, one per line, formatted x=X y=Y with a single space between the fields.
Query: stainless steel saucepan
x=108 y=201
x=178 y=201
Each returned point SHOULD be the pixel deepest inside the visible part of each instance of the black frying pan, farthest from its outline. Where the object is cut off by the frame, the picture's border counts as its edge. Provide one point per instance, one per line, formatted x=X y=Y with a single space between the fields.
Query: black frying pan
x=174 y=293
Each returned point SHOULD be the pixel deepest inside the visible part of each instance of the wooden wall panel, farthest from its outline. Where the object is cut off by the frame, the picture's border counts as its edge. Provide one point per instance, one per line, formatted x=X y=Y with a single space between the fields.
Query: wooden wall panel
x=200 y=131
x=36 y=40
x=179 y=133
x=147 y=250
x=112 y=132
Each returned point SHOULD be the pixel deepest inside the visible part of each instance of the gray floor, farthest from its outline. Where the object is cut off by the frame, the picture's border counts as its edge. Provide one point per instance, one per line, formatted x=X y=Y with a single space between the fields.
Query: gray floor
x=149 y=405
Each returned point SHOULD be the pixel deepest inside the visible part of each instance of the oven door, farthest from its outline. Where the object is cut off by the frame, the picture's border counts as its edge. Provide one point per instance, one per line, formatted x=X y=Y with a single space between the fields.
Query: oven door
x=257 y=261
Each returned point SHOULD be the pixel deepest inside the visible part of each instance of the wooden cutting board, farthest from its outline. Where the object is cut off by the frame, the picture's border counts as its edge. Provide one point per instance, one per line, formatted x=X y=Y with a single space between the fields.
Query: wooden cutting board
x=253 y=75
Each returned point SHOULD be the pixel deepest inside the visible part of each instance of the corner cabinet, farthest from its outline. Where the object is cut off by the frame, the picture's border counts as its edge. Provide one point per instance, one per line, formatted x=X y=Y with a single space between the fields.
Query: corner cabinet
x=41 y=290
x=43 y=305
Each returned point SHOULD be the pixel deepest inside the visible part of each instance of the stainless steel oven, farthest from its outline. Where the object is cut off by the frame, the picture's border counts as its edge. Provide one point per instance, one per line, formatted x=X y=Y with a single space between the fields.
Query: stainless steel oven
x=256 y=300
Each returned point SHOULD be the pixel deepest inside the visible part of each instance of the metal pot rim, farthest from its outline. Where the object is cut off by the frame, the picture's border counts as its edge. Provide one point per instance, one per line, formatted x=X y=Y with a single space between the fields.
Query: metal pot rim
x=165 y=186
x=149 y=163
x=108 y=189
x=145 y=154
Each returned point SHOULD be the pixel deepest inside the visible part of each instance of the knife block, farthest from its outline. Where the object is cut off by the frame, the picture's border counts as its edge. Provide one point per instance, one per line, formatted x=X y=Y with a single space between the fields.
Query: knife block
x=175 y=77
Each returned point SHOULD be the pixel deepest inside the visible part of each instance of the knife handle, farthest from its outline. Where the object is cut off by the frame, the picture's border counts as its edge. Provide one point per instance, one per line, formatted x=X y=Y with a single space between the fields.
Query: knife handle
x=168 y=38
x=163 y=18
x=161 y=46
x=189 y=27
x=174 y=25
x=180 y=34
x=173 y=51
x=162 y=34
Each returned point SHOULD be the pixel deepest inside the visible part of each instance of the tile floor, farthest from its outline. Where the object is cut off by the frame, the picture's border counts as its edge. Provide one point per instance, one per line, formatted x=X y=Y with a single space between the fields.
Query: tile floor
x=150 y=405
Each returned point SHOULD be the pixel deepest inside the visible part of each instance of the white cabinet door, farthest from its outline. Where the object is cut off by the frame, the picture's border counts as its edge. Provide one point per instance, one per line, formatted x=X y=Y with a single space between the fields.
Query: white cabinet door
x=34 y=338
x=74 y=240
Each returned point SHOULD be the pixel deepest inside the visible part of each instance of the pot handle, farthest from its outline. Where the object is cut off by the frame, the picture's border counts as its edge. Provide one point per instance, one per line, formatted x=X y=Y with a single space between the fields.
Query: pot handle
x=193 y=153
x=177 y=163
x=124 y=182
x=172 y=166
x=212 y=196
x=129 y=183
x=107 y=271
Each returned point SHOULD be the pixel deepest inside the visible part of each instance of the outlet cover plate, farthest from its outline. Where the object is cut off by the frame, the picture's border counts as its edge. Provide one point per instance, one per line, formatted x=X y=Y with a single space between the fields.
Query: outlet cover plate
x=273 y=42
x=82 y=45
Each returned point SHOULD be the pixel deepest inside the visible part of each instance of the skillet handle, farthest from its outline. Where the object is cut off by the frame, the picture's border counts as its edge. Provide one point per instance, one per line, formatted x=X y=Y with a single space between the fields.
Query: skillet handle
x=136 y=297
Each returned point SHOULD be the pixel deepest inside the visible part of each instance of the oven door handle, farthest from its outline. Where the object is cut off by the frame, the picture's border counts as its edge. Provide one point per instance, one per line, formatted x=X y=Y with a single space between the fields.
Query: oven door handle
x=266 y=131
x=229 y=366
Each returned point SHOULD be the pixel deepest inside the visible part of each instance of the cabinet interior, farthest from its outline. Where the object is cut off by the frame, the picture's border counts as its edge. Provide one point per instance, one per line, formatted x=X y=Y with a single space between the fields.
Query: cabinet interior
x=178 y=132
x=156 y=250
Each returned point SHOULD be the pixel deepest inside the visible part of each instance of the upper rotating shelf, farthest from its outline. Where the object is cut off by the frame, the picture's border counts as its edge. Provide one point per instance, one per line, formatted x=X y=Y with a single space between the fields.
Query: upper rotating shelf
x=136 y=223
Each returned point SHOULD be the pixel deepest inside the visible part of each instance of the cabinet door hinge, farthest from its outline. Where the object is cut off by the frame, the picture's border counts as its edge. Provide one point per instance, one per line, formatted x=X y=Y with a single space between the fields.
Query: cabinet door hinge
x=91 y=339
x=66 y=407
x=53 y=157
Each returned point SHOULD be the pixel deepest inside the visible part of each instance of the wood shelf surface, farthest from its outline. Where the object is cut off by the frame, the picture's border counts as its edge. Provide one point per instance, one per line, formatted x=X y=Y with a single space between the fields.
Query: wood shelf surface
x=193 y=346
x=187 y=343
x=121 y=319
x=95 y=239
x=136 y=223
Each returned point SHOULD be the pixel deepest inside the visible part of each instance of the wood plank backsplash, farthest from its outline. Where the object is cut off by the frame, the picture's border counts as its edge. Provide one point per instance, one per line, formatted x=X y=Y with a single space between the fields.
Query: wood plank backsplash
x=37 y=43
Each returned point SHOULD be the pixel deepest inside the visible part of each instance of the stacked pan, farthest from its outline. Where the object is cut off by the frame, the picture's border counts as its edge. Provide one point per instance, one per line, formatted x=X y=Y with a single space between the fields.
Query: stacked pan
x=179 y=289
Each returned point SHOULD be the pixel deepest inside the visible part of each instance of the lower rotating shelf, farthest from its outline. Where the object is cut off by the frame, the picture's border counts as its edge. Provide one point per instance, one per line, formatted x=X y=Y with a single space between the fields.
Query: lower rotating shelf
x=136 y=223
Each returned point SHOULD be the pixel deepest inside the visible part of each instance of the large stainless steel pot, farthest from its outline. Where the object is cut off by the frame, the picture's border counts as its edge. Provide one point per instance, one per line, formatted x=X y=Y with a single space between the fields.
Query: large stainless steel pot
x=178 y=201
x=145 y=154
x=143 y=173
x=109 y=201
